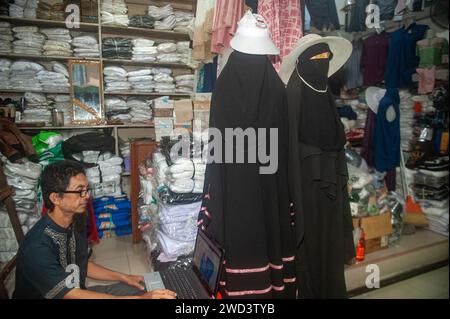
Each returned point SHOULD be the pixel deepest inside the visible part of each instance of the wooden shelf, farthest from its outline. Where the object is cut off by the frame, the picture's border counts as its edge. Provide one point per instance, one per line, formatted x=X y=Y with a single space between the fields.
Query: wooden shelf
x=156 y=64
x=45 y=57
x=79 y=127
x=84 y=26
x=32 y=91
x=153 y=33
x=149 y=94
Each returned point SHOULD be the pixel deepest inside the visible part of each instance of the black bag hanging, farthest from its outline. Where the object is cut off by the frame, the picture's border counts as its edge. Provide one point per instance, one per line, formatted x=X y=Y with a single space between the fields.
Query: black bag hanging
x=93 y=141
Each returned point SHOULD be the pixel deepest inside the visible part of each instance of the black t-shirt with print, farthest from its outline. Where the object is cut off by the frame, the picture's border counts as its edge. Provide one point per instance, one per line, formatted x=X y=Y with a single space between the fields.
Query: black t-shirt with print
x=46 y=258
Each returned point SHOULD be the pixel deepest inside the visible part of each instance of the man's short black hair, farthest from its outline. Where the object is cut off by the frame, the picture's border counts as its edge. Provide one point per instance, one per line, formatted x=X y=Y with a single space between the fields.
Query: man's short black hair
x=56 y=178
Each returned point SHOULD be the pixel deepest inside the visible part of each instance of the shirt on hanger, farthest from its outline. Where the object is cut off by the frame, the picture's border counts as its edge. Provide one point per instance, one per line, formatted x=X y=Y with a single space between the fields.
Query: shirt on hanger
x=374 y=58
x=431 y=51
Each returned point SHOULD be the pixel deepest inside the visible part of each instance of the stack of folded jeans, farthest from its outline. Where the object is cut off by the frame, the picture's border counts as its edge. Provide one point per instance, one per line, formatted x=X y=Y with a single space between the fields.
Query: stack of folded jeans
x=117 y=109
x=141 y=21
x=116 y=79
x=143 y=50
x=6 y=38
x=5 y=69
x=23 y=75
x=184 y=83
x=141 y=80
x=51 y=10
x=141 y=111
x=86 y=46
x=4 y=7
x=117 y=48
x=28 y=40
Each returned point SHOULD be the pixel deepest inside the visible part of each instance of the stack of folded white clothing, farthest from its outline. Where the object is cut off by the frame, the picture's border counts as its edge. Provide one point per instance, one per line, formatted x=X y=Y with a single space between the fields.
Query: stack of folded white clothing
x=183 y=20
x=58 y=42
x=117 y=109
x=116 y=79
x=184 y=83
x=184 y=51
x=407 y=119
x=141 y=111
x=53 y=81
x=24 y=75
x=24 y=178
x=5 y=69
x=186 y=175
x=109 y=169
x=167 y=53
x=61 y=102
x=141 y=80
x=86 y=46
x=163 y=80
x=6 y=37
x=125 y=148
x=29 y=40
x=37 y=108
x=9 y=245
x=143 y=50
x=160 y=13
x=114 y=12
x=23 y=9
x=177 y=229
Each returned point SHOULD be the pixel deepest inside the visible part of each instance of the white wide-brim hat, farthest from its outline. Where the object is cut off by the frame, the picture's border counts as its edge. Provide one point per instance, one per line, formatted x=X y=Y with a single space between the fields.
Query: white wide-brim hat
x=340 y=47
x=373 y=97
x=253 y=37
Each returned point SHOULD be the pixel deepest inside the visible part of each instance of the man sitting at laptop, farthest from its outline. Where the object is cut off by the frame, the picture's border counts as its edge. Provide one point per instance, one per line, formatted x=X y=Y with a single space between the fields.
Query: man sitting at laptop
x=52 y=261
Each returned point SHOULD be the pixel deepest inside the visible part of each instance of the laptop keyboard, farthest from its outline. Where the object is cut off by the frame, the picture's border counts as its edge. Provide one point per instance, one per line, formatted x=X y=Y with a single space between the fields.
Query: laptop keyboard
x=176 y=280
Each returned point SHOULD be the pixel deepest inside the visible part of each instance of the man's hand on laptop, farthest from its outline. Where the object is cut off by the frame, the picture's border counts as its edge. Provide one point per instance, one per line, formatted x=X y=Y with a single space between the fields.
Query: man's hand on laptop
x=159 y=294
x=134 y=281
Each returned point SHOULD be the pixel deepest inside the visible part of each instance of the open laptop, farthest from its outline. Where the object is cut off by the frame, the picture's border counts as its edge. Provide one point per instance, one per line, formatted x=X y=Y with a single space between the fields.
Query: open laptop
x=200 y=280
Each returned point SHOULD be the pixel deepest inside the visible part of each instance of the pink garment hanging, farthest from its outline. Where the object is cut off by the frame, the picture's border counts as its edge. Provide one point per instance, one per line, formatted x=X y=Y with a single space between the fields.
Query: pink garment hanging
x=427 y=78
x=285 y=24
x=227 y=15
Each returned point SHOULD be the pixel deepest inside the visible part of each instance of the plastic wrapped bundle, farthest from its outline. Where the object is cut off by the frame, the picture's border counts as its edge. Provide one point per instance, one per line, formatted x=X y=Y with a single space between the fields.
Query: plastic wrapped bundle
x=141 y=21
x=86 y=46
x=117 y=48
x=51 y=10
x=53 y=81
x=5 y=69
x=24 y=75
x=6 y=37
x=183 y=20
x=166 y=24
x=159 y=13
x=28 y=40
x=143 y=50
x=114 y=7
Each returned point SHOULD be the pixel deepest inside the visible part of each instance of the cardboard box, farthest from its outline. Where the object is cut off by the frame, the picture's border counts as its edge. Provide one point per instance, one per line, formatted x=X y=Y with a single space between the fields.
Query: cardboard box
x=377 y=230
x=163 y=112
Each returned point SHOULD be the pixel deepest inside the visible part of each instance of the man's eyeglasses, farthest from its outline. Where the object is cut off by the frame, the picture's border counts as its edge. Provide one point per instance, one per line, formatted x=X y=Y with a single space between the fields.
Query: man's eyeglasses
x=82 y=193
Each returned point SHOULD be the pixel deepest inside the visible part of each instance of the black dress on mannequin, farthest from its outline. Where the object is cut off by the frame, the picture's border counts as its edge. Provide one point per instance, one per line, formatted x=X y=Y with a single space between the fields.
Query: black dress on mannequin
x=318 y=180
x=244 y=211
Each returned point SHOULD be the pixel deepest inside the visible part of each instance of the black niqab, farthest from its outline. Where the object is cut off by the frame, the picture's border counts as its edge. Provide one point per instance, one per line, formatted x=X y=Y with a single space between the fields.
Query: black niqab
x=319 y=121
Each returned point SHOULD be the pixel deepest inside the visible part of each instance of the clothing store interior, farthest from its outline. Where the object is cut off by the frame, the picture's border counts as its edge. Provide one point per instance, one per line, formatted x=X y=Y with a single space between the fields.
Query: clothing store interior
x=224 y=149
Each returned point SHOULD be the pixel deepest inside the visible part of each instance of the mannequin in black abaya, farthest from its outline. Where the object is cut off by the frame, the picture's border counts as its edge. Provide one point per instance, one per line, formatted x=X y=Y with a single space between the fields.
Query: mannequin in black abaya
x=245 y=211
x=318 y=179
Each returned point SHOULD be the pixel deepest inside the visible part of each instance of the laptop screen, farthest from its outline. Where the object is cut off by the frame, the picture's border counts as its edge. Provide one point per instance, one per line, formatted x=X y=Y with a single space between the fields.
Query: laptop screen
x=207 y=259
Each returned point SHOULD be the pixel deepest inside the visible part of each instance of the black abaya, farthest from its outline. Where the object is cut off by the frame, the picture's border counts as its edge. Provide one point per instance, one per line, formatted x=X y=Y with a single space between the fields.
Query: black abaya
x=245 y=211
x=318 y=182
